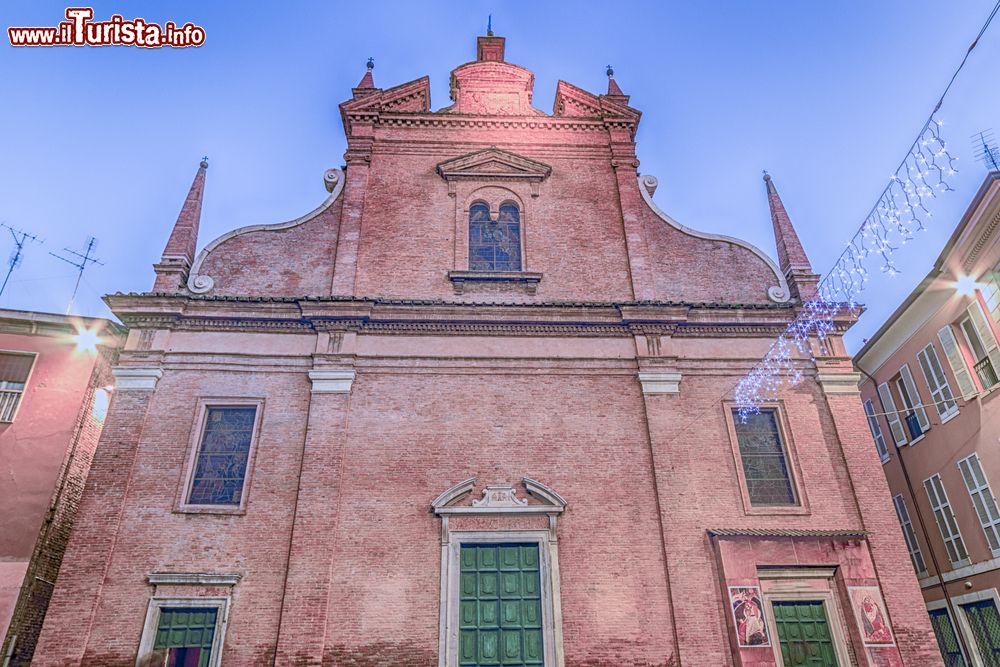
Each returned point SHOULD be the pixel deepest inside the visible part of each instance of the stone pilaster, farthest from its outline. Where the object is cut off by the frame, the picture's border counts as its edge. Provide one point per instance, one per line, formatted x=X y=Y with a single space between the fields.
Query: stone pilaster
x=358 y=157
x=700 y=639
x=904 y=602
x=302 y=637
x=625 y=164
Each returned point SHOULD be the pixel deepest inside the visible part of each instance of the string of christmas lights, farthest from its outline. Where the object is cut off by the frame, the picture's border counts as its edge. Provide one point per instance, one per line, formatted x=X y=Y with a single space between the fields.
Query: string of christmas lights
x=901 y=212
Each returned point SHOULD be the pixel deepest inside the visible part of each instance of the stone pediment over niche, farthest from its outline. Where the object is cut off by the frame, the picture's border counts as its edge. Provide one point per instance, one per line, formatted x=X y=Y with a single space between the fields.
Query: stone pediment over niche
x=494 y=163
x=499 y=499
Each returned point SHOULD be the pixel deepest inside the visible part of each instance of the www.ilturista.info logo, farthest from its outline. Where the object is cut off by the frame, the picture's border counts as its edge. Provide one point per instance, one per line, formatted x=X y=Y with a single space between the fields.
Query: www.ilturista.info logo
x=80 y=30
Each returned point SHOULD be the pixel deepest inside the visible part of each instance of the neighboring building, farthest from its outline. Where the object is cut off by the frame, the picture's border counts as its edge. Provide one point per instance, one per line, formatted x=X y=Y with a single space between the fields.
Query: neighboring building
x=471 y=411
x=929 y=388
x=55 y=373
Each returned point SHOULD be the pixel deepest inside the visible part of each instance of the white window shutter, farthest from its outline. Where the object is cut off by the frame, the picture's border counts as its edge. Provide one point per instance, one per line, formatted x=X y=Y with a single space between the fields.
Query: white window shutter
x=873 y=425
x=956 y=361
x=911 y=389
x=941 y=394
x=895 y=425
x=985 y=335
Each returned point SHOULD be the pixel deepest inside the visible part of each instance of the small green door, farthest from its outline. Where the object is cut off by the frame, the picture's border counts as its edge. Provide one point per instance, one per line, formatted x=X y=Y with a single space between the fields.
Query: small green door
x=500 y=606
x=184 y=637
x=804 y=634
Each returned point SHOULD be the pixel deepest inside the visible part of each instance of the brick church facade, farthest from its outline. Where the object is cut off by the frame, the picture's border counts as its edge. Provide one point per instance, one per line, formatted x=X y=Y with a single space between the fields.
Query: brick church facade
x=475 y=409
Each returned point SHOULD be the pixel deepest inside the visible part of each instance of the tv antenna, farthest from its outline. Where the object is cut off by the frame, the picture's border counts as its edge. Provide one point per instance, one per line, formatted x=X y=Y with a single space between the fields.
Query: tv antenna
x=84 y=260
x=21 y=238
x=986 y=149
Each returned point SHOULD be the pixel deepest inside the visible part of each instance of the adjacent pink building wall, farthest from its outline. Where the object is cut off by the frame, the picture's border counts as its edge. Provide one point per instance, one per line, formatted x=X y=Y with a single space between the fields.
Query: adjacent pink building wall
x=938 y=302
x=44 y=458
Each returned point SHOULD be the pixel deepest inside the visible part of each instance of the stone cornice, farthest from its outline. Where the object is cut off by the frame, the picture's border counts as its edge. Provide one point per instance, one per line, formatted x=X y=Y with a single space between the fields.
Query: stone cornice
x=431 y=317
x=492 y=122
x=981 y=242
x=193 y=579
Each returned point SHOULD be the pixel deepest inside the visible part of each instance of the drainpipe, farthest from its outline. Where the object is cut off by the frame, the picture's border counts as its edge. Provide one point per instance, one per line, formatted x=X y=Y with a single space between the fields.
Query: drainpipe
x=967 y=655
x=10 y=651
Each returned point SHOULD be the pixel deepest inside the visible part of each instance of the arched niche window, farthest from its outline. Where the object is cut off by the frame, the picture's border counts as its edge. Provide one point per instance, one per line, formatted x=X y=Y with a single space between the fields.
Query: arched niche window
x=494 y=245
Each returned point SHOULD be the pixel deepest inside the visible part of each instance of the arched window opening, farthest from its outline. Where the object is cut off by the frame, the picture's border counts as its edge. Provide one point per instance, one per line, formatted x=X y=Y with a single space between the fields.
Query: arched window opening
x=494 y=245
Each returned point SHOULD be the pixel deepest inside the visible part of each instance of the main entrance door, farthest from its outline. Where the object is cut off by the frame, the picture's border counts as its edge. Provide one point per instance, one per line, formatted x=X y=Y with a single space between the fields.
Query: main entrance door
x=500 y=608
x=804 y=634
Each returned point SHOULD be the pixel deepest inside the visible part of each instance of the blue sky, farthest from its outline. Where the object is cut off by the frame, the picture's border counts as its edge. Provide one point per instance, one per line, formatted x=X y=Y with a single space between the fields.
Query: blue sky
x=825 y=96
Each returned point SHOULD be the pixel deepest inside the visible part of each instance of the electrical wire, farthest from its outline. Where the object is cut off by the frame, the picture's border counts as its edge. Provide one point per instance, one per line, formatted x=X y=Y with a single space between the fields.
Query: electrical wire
x=989 y=19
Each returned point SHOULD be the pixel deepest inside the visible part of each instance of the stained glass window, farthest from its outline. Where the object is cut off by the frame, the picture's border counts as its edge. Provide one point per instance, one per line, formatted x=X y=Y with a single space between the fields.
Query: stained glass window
x=765 y=463
x=222 y=457
x=494 y=245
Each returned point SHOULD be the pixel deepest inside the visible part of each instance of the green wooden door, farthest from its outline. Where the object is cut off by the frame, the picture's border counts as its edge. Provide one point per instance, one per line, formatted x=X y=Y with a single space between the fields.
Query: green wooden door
x=184 y=636
x=985 y=623
x=500 y=606
x=804 y=634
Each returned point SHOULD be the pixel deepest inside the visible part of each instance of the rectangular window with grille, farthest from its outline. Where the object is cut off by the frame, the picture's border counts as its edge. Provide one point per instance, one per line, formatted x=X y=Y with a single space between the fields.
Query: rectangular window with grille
x=984 y=621
x=873 y=425
x=945 y=519
x=223 y=454
x=947 y=640
x=941 y=394
x=14 y=371
x=982 y=500
x=765 y=460
x=910 y=536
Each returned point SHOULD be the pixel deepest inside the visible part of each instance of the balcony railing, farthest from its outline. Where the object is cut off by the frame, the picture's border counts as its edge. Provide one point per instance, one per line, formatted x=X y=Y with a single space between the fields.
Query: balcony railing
x=913 y=425
x=8 y=405
x=987 y=374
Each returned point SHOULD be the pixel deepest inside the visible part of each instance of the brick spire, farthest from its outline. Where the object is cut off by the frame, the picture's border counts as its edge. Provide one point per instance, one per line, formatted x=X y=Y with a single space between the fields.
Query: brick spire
x=178 y=255
x=792 y=259
x=367 y=81
x=614 y=91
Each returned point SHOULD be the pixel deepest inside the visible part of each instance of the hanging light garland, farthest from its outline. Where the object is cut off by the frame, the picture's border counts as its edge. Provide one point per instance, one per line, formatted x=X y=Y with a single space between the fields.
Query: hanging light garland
x=901 y=212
